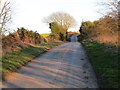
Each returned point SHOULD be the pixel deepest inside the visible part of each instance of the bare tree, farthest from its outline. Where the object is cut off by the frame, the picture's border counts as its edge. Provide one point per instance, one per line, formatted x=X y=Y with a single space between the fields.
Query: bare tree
x=63 y=19
x=110 y=7
x=5 y=15
x=113 y=5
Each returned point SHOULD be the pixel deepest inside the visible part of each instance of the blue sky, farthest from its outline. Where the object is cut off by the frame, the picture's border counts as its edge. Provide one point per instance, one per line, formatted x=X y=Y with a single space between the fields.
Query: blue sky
x=30 y=13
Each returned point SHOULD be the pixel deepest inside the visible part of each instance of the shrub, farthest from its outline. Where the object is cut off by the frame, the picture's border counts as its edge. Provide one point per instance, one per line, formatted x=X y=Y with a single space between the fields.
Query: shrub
x=56 y=29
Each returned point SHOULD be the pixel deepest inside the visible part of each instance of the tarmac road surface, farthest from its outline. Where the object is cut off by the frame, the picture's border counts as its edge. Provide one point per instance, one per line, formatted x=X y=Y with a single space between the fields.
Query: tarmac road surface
x=65 y=66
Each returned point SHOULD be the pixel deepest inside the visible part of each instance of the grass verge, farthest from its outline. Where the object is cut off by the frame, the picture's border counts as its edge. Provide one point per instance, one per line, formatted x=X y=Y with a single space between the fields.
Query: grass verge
x=13 y=61
x=104 y=58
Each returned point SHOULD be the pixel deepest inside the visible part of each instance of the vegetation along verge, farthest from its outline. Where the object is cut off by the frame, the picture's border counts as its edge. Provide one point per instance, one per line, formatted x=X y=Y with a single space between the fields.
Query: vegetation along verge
x=104 y=58
x=14 y=60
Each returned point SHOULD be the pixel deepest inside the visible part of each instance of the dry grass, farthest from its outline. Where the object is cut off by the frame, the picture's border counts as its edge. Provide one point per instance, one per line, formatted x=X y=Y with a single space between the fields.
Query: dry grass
x=107 y=38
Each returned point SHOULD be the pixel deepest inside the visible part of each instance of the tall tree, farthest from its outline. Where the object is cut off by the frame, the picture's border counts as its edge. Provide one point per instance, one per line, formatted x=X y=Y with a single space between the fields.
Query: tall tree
x=5 y=15
x=63 y=19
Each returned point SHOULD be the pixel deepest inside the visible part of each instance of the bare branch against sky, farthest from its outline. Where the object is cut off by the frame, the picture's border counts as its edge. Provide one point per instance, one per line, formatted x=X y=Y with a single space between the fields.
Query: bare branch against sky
x=62 y=18
x=5 y=16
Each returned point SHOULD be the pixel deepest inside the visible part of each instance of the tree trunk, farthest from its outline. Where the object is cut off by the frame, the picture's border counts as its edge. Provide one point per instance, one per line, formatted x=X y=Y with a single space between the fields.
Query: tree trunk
x=66 y=35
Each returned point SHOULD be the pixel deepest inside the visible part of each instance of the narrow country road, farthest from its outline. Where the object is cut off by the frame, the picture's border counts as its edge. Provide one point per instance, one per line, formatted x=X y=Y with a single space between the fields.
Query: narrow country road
x=65 y=66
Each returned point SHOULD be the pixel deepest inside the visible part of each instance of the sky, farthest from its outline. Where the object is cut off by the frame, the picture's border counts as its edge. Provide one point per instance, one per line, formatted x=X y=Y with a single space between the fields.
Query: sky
x=30 y=13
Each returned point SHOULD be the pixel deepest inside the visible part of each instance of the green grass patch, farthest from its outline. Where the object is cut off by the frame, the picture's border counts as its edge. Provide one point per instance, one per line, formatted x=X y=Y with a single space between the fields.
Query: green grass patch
x=104 y=59
x=12 y=61
x=50 y=45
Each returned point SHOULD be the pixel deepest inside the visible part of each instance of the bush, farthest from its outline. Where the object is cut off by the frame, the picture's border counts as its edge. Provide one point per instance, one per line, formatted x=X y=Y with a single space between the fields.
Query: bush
x=30 y=36
x=104 y=30
x=21 y=37
x=56 y=29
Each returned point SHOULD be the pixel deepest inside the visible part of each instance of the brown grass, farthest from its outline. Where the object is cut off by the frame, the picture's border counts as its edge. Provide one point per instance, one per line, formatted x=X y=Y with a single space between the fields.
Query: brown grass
x=107 y=38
